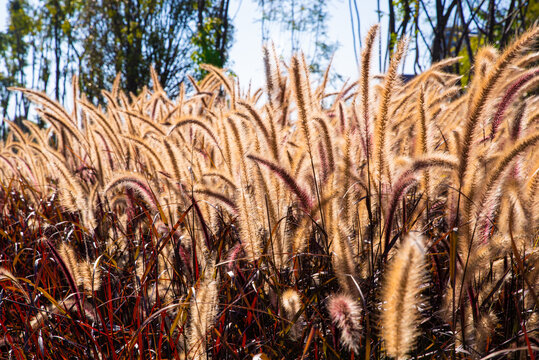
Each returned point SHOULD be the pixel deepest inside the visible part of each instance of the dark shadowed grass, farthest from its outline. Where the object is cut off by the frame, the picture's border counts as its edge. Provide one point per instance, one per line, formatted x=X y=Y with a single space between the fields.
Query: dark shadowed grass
x=123 y=320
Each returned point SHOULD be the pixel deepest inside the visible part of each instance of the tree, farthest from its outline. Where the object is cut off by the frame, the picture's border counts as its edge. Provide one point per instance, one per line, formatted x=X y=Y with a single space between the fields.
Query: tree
x=56 y=45
x=14 y=50
x=306 y=23
x=214 y=34
x=129 y=36
x=52 y=40
x=448 y=28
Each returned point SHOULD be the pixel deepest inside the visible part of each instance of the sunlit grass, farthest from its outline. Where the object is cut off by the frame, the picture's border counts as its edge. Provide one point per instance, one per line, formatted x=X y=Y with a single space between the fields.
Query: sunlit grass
x=388 y=219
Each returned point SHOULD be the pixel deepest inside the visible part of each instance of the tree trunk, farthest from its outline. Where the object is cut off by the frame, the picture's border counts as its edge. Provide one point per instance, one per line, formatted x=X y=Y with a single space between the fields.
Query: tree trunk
x=392 y=31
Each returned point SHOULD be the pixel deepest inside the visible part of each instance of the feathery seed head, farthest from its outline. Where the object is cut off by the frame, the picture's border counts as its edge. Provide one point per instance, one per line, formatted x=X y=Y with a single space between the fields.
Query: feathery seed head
x=345 y=313
x=401 y=296
x=291 y=302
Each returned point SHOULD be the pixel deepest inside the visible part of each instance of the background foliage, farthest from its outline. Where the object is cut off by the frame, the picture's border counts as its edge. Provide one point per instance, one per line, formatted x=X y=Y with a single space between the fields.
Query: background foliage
x=48 y=41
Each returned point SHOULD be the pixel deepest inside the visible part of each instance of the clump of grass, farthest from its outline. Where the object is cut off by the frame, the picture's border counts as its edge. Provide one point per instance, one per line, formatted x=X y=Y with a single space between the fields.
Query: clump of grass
x=221 y=225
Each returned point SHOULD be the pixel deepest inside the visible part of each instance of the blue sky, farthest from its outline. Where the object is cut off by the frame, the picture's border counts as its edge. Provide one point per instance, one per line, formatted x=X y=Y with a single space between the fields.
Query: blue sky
x=246 y=52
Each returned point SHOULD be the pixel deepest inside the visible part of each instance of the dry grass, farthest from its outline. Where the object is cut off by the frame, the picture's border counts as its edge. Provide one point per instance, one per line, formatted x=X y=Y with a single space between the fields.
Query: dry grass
x=225 y=224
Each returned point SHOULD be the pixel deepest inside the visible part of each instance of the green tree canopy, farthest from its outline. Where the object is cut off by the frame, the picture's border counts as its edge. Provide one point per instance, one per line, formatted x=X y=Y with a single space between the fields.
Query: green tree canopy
x=52 y=40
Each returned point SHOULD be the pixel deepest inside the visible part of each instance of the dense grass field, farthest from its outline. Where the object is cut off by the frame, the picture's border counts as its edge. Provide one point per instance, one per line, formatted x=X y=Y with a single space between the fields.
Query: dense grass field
x=387 y=220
